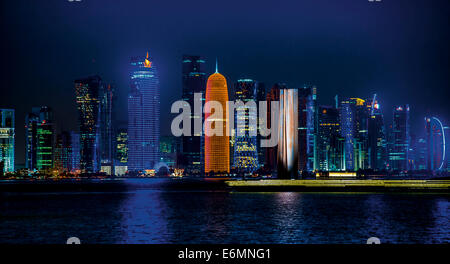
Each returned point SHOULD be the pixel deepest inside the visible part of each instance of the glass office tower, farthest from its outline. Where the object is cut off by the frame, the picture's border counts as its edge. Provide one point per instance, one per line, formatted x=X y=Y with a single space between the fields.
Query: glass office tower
x=143 y=115
x=193 y=81
x=245 y=158
x=88 y=92
x=398 y=154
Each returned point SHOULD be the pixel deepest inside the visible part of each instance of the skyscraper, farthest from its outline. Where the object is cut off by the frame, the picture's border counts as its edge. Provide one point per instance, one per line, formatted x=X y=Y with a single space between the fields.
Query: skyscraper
x=307 y=108
x=88 y=92
x=31 y=125
x=435 y=144
x=330 y=144
x=121 y=151
x=398 y=155
x=287 y=154
x=271 y=152
x=107 y=99
x=40 y=138
x=377 y=138
x=245 y=158
x=354 y=114
x=193 y=81
x=7 y=135
x=217 y=147
x=143 y=115
x=45 y=139
x=63 y=152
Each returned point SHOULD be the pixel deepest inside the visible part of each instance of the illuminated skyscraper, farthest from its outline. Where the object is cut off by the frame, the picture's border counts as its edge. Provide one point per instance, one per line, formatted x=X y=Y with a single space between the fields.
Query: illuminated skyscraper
x=377 y=138
x=435 y=144
x=271 y=152
x=398 y=154
x=307 y=108
x=330 y=144
x=194 y=81
x=121 y=152
x=45 y=139
x=63 y=152
x=31 y=125
x=217 y=147
x=76 y=151
x=245 y=158
x=287 y=154
x=143 y=115
x=7 y=135
x=354 y=114
x=107 y=100
x=88 y=93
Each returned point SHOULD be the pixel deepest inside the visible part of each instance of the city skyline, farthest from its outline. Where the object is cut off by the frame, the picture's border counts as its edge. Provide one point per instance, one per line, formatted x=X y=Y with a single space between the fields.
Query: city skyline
x=375 y=55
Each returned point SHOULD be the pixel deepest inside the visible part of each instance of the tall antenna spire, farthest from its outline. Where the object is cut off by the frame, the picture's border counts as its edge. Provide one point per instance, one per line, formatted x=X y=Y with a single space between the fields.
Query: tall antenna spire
x=217 y=68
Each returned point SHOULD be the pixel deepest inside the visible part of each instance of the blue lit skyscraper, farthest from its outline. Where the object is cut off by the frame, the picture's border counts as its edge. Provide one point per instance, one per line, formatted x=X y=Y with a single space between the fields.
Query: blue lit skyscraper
x=7 y=135
x=143 y=115
x=307 y=108
x=107 y=100
x=435 y=144
x=245 y=158
x=354 y=115
x=398 y=154
x=193 y=81
x=377 y=138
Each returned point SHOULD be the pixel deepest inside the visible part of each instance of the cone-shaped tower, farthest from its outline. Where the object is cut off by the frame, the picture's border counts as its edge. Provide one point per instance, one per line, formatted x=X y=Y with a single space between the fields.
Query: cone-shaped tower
x=217 y=147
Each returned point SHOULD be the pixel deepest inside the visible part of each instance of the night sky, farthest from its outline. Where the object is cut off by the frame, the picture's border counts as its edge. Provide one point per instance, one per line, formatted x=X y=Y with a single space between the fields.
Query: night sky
x=396 y=48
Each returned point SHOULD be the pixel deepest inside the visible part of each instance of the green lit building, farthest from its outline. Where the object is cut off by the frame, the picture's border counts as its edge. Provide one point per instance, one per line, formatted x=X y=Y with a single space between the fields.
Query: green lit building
x=7 y=134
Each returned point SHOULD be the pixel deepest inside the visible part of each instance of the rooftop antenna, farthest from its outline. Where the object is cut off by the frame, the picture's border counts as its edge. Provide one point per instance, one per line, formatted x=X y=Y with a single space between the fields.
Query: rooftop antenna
x=217 y=68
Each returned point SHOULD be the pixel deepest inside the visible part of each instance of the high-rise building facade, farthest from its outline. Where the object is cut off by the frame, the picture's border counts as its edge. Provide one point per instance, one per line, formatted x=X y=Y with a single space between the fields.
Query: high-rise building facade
x=88 y=92
x=217 y=147
x=330 y=144
x=271 y=152
x=398 y=154
x=193 y=81
x=63 y=152
x=31 y=125
x=46 y=138
x=377 y=148
x=307 y=108
x=354 y=115
x=143 y=115
x=107 y=101
x=7 y=137
x=435 y=144
x=245 y=158
x=287 y=153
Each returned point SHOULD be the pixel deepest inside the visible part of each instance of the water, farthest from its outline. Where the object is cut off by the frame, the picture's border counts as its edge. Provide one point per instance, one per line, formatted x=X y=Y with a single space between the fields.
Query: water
x=153 y=215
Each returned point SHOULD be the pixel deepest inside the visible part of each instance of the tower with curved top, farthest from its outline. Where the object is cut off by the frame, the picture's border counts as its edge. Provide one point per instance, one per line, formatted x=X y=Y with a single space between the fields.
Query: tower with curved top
x=217 y=147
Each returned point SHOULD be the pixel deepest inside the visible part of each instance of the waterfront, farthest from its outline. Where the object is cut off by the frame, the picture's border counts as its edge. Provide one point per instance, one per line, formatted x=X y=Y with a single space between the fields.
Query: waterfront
x=148 y=213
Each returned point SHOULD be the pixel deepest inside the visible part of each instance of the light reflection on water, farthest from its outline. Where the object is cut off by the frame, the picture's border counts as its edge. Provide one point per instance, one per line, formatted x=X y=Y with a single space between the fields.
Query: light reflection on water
x=156 y=216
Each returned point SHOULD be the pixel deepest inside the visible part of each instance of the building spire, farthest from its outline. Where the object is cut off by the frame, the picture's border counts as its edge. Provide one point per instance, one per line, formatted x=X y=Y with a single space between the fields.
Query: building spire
x=217 y=68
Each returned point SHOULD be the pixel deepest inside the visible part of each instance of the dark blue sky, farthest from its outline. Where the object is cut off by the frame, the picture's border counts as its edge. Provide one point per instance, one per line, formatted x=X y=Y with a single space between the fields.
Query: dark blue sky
x=354 y=48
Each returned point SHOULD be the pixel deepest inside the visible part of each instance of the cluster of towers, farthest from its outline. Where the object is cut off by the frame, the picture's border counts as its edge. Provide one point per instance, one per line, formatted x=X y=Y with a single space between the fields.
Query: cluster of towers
x=349 y=135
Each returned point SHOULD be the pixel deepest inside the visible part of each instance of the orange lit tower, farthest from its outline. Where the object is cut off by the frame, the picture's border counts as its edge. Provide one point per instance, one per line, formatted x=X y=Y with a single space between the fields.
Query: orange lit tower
x=217 y=147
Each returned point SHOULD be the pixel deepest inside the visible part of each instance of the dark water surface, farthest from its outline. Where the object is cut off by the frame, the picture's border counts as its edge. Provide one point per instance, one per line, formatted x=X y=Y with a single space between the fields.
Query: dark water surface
x=154 y=215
